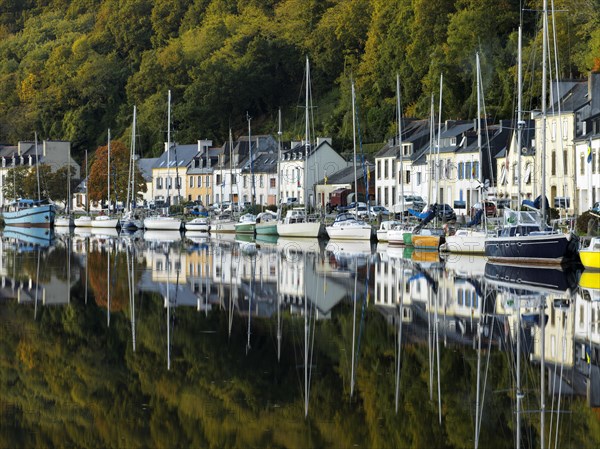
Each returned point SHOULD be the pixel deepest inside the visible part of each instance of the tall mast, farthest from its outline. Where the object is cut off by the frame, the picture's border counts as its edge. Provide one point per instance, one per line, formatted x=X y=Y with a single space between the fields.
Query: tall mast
x=168 y=202
x=520 y=122
x=544 y=94
x=431 y=153
x=87 y=200
x=130 y=187
x=37 y=167
x=398 y=108
x=231 y=167
x=439 y=141
x=278 y=195
x=354 y=149
x=108 y=171
x=252 y=186
x=306 y=136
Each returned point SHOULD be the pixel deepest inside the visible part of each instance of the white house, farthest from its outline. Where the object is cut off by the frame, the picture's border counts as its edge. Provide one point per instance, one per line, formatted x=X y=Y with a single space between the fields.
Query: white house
x=299 y=173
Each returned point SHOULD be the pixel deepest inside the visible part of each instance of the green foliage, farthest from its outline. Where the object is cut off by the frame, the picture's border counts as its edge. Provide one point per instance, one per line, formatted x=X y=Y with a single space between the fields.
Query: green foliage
x=71 y=69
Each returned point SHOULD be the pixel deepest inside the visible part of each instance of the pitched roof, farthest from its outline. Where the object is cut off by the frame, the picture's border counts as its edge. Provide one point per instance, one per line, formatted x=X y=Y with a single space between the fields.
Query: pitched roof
x=145 y=166
x=346 y=175
x=183 y=153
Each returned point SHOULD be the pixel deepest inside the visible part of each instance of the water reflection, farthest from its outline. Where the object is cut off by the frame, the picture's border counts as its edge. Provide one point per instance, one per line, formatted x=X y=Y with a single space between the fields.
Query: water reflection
x=366 y=345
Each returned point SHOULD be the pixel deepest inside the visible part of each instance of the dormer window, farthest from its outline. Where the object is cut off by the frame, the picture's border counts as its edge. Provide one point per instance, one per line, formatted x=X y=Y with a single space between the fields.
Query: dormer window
x=453 y=141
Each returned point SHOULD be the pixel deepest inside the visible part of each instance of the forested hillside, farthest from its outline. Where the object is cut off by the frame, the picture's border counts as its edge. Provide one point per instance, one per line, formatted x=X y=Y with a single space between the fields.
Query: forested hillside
x=70 y=69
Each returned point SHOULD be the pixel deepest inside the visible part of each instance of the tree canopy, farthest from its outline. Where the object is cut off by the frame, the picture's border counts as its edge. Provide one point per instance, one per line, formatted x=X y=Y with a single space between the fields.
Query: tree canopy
x=70 y=70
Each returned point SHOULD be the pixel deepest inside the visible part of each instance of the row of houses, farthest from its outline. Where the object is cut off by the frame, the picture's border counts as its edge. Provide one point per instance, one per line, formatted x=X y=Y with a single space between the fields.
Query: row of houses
x=460 y=165
x=460 y=172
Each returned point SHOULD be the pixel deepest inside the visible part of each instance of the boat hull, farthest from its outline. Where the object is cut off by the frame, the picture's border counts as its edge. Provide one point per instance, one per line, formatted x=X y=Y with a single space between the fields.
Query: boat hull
x=539 y=279
x=83 y=222
x=197 y=227
x=35 y=236
x=63 y=221
x=350 y=232
x=245 y=228
x=162 y=223
x=223 y=227
x=109 y=223
x=590 y=258
x=468 y=243
x=34 y=217
x=426 y=242
x=266 y=228
x=539 y=249
x=310 y=229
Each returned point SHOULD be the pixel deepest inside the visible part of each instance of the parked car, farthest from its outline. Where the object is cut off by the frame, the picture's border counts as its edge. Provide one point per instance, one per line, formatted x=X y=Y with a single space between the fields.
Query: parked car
x=351 y=206
x=596 y=208
x=360 y=212
x=490 y=208
x=415 y=202
x=445 y=212
x=375 y=211
x=290 y=201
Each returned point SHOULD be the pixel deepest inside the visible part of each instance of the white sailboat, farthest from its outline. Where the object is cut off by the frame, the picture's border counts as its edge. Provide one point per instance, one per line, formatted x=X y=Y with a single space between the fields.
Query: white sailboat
x=165 y=222
x=85 y=221
x=471 y=240
x=129 y=220
x=106 y=221
x=297 y=223
x=347 y=226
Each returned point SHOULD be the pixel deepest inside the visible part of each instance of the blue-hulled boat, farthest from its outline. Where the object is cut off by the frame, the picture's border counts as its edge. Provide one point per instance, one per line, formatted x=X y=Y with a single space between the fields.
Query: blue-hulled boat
x=29 y=213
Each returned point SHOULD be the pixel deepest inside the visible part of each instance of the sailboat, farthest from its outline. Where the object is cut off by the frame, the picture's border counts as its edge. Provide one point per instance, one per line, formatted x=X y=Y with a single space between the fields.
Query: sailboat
x=85 y=220
x=225 y=223
x=165 y=222
x=129 y=221
x=266 y=223
x=296 y=222
x=525 y=236
x=67 y=219
x=106 y=221
x=471 y=240
x=347 y=226
x=398 y=233
x=430 y=238
x=27 y=212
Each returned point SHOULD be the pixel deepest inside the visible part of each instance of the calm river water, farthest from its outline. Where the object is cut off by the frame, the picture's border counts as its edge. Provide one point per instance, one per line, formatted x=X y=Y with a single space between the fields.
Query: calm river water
x=170 y=340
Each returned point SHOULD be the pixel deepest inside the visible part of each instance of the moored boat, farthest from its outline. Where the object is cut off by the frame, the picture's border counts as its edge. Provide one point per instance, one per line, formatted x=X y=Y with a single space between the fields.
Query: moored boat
x=30 y=213
x=524 y=240
x=85 y=221
x=266 y=223
x=347 y=227
x=200 y=224
x=468 y=241
x=590 y=255
x=162 y=222
x=384 y=228
x=246 y=225
x=297 y=224
x=428 y=239
x=105 y=221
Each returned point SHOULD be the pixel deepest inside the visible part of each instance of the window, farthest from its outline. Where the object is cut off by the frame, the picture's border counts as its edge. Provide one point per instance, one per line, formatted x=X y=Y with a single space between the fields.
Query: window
x=273 y=183
x=159 y=183
x=178 y=186
x=208 y=181
x=407 y=177
x=233 y=179
x=378 y=169
x=218 y=179
x=261 y=182
x=468 y=170
x=475 y=170
x=565 y=162
x=379 y=194
x=199 y=181
x=168 y=182
x=418 y=178
x=582 y=164
x=461 y=167
x=386 y=201
x=385 y=169
x=191 y=181
x=553 y=162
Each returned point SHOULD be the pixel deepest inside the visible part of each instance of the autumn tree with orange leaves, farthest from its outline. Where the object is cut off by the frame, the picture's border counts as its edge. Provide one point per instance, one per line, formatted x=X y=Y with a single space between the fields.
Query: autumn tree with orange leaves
x=119 y=174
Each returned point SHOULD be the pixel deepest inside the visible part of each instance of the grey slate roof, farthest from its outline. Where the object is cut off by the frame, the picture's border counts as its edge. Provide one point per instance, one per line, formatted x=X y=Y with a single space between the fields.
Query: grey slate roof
x=145 y=166
x=346 y=175
x=183 y=153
